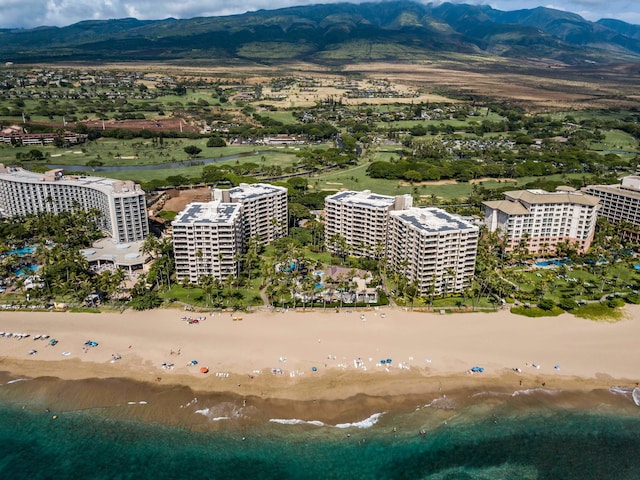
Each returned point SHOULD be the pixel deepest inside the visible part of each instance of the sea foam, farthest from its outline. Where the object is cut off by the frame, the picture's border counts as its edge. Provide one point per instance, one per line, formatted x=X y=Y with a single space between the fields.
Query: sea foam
x=297 y=421
x=531 y=391
x=208 y=413
x=629 y=392
x=366 y=423
x=16 y=381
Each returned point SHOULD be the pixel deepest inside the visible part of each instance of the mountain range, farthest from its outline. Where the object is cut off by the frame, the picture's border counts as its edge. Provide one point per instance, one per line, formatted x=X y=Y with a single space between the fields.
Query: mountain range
x=335 y=34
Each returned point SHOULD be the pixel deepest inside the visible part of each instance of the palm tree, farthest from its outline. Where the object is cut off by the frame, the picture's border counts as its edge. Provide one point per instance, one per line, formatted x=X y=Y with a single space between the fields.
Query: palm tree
x=340 y=246
x=251 y=256
x=150 y=245
x=308 y=289
x=206 y=283
x=412 y=291
x=228 y=284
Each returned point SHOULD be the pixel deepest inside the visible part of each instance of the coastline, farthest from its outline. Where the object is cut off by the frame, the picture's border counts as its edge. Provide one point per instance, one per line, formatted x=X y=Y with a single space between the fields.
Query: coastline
x=431 y=356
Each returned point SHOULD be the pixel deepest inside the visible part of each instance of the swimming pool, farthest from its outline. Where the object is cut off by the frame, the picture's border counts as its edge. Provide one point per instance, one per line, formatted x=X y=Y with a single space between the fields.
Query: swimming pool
x=26 y=271
x=21 y=252
x=548 y=263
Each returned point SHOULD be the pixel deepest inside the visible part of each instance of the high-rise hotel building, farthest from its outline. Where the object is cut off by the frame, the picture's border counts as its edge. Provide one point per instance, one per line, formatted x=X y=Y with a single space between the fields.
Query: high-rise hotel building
x=432 y=248
x=619 y=203
x=361 y=219
x=264 y=209
x=121 y=203
x=539 y=220
x=207 y=240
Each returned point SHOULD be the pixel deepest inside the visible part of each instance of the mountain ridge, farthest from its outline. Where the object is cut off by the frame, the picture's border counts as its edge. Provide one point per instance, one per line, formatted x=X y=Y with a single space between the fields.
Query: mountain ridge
x=335 y=34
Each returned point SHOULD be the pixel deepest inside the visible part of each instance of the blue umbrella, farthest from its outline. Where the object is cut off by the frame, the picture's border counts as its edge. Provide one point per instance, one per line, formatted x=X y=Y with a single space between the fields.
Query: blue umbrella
x=314 y=369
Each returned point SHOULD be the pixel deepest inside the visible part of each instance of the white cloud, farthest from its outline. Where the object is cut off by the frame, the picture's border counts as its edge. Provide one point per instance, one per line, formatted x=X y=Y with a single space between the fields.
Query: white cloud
x=32 y=13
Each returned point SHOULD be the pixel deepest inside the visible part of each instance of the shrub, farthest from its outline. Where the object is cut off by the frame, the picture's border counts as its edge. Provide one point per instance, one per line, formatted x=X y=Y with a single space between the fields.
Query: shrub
x=633 y=298
x=546 y=304
x=567 y=304
x=598 y=311
x=216 y=142
x=536 y=312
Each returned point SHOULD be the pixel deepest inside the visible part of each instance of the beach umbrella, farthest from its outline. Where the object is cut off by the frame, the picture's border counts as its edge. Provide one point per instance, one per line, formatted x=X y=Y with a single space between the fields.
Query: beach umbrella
x=194 y=362
x=389 y=360
x=314 y=369
x=383 y=361
x=204 y=370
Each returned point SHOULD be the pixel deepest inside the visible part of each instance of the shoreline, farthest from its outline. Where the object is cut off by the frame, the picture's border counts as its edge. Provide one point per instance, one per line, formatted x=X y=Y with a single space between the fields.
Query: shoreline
x=430 y=354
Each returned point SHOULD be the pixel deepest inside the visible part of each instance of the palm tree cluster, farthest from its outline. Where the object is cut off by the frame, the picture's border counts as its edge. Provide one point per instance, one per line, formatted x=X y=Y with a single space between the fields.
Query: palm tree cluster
x=58 y=238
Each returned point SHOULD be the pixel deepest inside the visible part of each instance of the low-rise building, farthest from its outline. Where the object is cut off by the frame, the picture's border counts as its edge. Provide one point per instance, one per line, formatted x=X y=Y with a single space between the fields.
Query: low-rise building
x=537 y=220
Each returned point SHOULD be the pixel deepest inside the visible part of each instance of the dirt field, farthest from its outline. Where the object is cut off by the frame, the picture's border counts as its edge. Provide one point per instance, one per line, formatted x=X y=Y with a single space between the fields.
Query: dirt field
x=535 y=84
x=177 y=204
x=160 y=125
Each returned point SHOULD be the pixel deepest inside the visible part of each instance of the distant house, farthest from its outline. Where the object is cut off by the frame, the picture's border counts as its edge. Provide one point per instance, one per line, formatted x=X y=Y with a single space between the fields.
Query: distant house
x=282 y=140
x=15 y=136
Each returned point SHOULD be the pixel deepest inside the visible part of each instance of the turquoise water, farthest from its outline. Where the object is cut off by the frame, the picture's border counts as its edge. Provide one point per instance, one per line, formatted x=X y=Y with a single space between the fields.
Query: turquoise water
x=484 y=440
x=548 y=263
x=21 y=252
x=26 y=271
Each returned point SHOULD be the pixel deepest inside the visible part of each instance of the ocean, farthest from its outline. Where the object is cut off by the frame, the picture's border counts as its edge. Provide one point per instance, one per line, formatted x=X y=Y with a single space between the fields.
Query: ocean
x=47 y=432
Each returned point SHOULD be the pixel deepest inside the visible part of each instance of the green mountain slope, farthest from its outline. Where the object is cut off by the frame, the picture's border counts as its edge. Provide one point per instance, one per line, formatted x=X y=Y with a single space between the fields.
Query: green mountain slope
x=336 y=33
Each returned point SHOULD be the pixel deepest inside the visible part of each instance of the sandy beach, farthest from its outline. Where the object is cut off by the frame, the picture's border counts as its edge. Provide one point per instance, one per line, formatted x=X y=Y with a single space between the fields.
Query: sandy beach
x=322 y=354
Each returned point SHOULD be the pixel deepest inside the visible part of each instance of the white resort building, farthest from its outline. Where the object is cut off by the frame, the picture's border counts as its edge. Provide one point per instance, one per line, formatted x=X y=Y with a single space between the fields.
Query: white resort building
x=207 y=239
x=538 y=220
x=433 y=248
x=619 y=203
x=264 y=209
x=361 y=219
x=121 y=203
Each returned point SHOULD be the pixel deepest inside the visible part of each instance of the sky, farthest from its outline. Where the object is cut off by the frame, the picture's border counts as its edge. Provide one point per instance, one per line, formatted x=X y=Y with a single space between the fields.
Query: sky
x=34 y=13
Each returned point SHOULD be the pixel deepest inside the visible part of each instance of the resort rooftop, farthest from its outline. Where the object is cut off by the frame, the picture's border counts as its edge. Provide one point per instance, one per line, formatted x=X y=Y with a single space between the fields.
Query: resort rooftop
x=537 y=196
x=363 y=198
x=433 y=220
x=208 y=213
x=106 y=185
x=253 y=190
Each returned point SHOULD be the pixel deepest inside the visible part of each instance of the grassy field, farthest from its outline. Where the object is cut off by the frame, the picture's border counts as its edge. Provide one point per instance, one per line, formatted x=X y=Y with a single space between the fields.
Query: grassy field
x=616 y=141
x=575 y=282
x=284 y=116
x=355 y=178
x=115 y=153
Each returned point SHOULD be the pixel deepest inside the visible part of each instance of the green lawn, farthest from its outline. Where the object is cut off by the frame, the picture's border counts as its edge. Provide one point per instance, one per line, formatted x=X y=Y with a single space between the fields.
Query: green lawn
x=355 y=178
x=284 y=116
x=616 y=140
x=588 y=284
